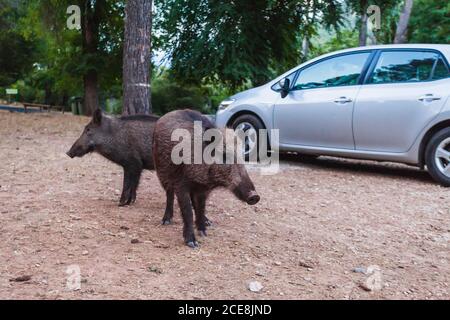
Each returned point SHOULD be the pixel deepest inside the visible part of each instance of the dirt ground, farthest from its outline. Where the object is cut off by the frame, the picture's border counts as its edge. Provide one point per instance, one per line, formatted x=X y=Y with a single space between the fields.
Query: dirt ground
x=316 y=222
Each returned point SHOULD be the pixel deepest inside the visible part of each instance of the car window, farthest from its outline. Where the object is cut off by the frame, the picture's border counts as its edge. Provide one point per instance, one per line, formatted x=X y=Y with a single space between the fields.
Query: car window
x=441 y=70
x=343 y=70
x=403 y=66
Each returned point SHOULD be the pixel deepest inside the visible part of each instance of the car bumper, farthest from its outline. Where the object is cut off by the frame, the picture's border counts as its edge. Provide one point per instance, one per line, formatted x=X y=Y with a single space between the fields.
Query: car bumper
x=222 y=117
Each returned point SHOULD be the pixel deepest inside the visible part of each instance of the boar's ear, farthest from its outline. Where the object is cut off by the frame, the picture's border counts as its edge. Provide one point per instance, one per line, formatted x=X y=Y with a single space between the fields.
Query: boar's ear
x=97 y=116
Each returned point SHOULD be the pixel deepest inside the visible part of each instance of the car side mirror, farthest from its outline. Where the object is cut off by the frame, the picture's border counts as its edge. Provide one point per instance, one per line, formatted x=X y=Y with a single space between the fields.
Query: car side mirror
x=285 y=85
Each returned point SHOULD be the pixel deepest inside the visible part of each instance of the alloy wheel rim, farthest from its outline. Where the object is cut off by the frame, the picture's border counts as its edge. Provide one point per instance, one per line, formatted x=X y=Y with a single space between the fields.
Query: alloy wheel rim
x=442 y=157
x=250 y=137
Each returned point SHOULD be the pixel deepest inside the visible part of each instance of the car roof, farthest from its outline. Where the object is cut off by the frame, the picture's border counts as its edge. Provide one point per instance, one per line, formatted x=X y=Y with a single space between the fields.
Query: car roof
x=443 y=48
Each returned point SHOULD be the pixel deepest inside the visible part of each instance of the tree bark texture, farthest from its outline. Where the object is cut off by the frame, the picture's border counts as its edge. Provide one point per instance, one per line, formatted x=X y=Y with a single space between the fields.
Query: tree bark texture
x=401 y=35
x=137 y=57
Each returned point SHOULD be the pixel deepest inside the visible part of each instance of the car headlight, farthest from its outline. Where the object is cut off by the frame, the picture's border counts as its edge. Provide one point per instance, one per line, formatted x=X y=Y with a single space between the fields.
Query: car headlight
x=226 y=103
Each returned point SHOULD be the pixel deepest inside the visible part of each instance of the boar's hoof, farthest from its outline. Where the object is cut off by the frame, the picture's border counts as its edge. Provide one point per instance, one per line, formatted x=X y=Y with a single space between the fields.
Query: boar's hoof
x=202 y=233
x=192 y=244
x=124 y=203
x=166 y=222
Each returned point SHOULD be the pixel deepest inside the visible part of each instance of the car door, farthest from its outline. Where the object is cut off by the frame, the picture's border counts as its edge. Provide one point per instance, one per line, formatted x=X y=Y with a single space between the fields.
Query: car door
x=319 y=107
x=404 y=92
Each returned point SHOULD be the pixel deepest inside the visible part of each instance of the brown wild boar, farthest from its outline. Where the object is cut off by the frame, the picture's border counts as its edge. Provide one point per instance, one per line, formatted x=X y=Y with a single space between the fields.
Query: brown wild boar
x=192 y=183
x=126 y=141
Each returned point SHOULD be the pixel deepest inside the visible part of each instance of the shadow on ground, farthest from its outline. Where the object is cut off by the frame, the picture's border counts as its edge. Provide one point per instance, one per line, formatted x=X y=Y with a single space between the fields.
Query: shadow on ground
x=365 y=167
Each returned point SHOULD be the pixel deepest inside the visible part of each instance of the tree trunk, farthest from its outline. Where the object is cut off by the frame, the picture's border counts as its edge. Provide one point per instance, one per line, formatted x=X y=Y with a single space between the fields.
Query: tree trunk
x=90 y=80
x=363 y=26
x=137 y=57
x=48 y=94
x=305 y=48
x=90 y=30
x=401 y=35
x=310 y=25
x=65 y=100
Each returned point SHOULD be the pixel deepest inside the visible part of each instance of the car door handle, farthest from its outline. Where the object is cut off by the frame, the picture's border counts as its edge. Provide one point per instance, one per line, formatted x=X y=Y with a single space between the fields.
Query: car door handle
x=429 y=97
x=343 y=100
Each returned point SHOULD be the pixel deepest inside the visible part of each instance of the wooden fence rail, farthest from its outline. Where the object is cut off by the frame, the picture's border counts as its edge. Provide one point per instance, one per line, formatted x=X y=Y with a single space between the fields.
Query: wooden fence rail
x=41 y=107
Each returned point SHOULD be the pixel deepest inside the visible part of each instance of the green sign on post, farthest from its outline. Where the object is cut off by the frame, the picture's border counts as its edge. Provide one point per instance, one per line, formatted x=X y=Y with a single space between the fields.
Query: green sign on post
x=12 y=91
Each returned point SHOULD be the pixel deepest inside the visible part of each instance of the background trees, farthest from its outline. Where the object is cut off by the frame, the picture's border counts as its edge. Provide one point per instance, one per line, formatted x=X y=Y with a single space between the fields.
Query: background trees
x=430 y=22
x=203 y=50
x=238 y=43
x=84 y=62
x=16 y=55
x=359 y=9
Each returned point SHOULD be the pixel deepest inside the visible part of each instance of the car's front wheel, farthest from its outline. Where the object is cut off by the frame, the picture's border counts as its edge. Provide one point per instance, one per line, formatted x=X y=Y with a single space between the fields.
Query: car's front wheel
x=437 y=157
x=250 y=125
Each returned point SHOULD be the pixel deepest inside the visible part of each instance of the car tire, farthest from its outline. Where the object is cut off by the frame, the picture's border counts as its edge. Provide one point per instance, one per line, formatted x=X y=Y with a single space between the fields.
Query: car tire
x=247 y=122
x=437 y=156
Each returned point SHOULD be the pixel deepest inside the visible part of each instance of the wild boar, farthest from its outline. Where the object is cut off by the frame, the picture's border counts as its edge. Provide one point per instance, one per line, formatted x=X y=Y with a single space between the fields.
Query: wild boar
x=126 y=141
x=192 y=183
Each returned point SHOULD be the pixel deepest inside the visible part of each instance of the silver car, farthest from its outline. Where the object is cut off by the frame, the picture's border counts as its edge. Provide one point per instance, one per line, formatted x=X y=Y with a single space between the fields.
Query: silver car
x=388 y=103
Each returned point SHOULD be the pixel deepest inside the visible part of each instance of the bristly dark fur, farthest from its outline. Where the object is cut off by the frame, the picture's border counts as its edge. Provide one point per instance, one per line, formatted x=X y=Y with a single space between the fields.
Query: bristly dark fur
x=192 y=115
x=192 y=183
x=140 y=117
x=128 y=143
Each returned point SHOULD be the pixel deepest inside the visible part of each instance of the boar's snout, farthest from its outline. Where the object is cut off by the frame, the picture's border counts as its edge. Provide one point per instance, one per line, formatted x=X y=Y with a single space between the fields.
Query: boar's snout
x=70 y=153
x=253 y=198
x=79 y=150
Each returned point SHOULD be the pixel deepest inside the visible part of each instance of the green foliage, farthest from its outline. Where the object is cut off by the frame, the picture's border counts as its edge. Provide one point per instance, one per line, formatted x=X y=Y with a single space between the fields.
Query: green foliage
x=29 y=92
x=216 y=94
x=389 y=19
x=343 y=40
x=113 y=106
x=16 y=52
x=360 y=6
x=168 y=95
x=60 y=60
x=238 y=43
x=389 y=10
x=430 y=22
x=214 y=47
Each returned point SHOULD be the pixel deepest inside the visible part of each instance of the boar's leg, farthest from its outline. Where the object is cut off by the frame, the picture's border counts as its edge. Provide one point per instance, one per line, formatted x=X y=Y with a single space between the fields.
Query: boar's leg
x=131 y=179
x=168 y=214
x=184 y=202
x=135 y=178
x=126 y=191
x=199 y=203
